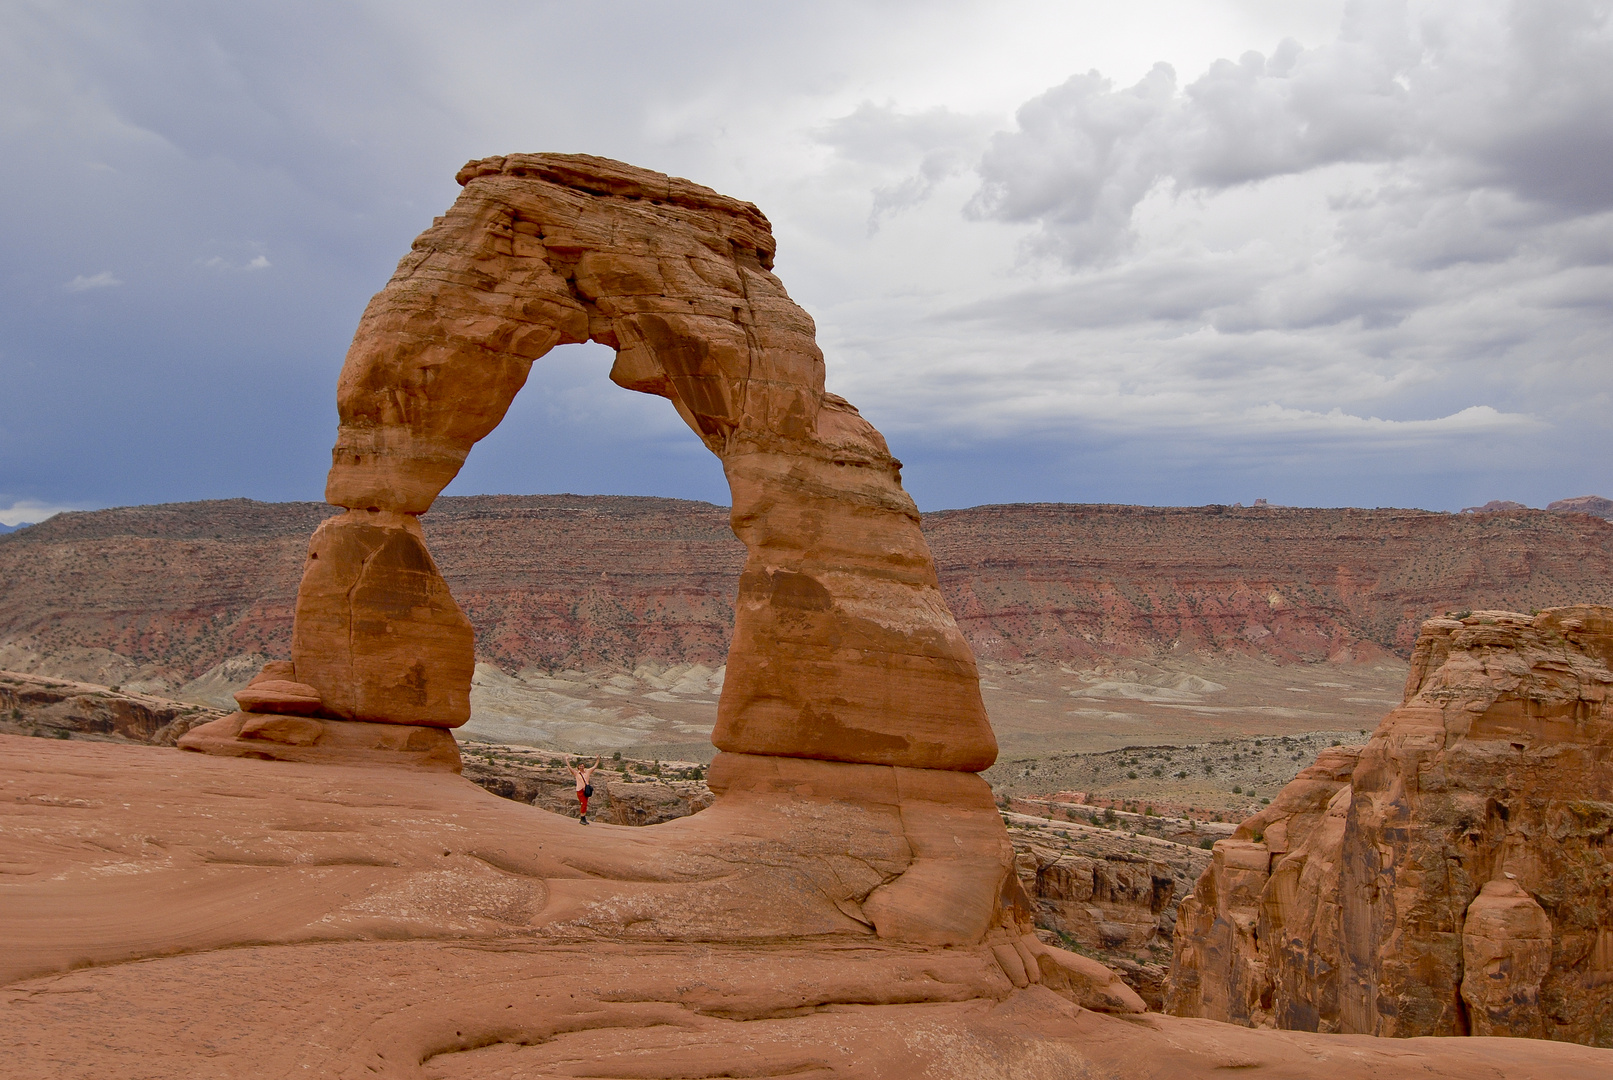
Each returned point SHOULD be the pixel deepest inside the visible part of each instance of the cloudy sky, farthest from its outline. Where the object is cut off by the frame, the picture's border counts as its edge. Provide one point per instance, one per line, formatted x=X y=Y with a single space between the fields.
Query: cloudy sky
x=1167 y=251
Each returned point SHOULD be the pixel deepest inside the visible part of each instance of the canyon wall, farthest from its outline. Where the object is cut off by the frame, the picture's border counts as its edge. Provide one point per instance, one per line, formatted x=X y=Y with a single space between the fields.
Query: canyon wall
x=163 y=593
x=1453 y=876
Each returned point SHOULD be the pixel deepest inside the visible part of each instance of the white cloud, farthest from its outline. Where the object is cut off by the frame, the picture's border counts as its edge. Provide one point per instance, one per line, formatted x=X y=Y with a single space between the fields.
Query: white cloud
x=219 y=262
x=27 y=510
x=83 y=283
x=1328 y=254
x=913 y=152
x=1467 y=96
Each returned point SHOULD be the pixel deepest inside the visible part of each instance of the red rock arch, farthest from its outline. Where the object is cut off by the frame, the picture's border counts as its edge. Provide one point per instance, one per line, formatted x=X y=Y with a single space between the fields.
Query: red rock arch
x=843 y=647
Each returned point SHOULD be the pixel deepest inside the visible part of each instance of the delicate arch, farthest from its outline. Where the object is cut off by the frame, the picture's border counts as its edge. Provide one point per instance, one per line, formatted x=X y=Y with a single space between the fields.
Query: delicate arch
x=843 y=646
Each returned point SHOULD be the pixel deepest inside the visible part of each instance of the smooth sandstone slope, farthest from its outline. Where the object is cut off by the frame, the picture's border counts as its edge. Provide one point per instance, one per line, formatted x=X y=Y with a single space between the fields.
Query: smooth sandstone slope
x=177 y=915
x=1452 y=876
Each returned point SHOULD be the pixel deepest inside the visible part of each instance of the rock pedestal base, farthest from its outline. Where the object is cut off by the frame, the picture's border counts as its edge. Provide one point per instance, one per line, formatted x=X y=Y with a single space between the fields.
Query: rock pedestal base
x=282 y=737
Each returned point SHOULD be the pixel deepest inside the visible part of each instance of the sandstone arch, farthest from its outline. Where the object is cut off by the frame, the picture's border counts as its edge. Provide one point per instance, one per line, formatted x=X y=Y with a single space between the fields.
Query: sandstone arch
x=843 y=648
x=850 y=721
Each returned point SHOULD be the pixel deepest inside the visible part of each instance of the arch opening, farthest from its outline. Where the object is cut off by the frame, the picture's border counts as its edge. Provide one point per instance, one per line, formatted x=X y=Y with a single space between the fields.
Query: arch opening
x=569 y=430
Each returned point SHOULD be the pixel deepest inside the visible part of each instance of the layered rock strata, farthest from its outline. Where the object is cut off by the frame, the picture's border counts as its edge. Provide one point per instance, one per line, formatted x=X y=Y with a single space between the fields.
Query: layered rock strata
x=64 y=709
x=161 y=594
x=1454 y=876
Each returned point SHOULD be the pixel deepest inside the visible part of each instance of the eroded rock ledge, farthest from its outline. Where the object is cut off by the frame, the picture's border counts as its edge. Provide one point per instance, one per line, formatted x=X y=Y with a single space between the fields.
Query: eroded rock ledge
x=1454 y=876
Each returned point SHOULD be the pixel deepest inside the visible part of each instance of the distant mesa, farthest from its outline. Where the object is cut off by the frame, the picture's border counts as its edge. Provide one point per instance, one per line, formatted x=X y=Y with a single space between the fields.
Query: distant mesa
x=13 y=528
x=1039 y=583
x=1594 y=505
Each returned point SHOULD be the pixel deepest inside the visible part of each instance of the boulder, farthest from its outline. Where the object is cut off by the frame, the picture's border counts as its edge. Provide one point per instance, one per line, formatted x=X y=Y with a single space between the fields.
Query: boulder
x=1506 y=954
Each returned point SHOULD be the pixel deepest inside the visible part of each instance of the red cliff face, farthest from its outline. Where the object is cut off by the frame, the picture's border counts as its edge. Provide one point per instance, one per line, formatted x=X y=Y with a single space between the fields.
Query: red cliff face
x=1057 y=581
x=1450 y=877
x=571 y=581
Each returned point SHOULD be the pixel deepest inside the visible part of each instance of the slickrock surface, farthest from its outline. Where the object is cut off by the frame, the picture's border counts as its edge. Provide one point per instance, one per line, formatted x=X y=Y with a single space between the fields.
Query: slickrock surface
x=320 y=920
x=1451 y=876
x=161 y=594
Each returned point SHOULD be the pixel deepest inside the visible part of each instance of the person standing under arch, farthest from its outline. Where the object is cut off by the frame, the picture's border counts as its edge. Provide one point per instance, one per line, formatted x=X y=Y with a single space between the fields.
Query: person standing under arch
x=585 y=785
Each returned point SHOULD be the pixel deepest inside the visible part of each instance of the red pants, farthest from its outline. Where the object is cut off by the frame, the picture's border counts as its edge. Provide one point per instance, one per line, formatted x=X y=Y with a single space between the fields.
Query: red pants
x=582 y=800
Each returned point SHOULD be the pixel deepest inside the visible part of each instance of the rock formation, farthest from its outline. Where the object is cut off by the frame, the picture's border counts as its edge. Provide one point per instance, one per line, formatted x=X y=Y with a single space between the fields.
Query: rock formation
x=1451 y=877
x=843 y=650
x=847 y=679
x=1594 y=505
x=1113 y=902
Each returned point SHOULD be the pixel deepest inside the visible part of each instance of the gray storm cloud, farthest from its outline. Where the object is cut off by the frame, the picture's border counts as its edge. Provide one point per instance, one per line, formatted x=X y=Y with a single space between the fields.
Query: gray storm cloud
x=1371 y=263
x=1396 y=241
x=1471 y=97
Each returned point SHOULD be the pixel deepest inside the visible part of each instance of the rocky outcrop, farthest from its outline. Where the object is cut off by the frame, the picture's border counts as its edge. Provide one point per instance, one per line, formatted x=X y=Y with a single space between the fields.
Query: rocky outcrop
x=650 y=802
x=1594 y=505
x=843 y=647
x=59 y=708
x=1506 y=955
x=160 y=594
x=1454 y=877
x=1114 y=902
